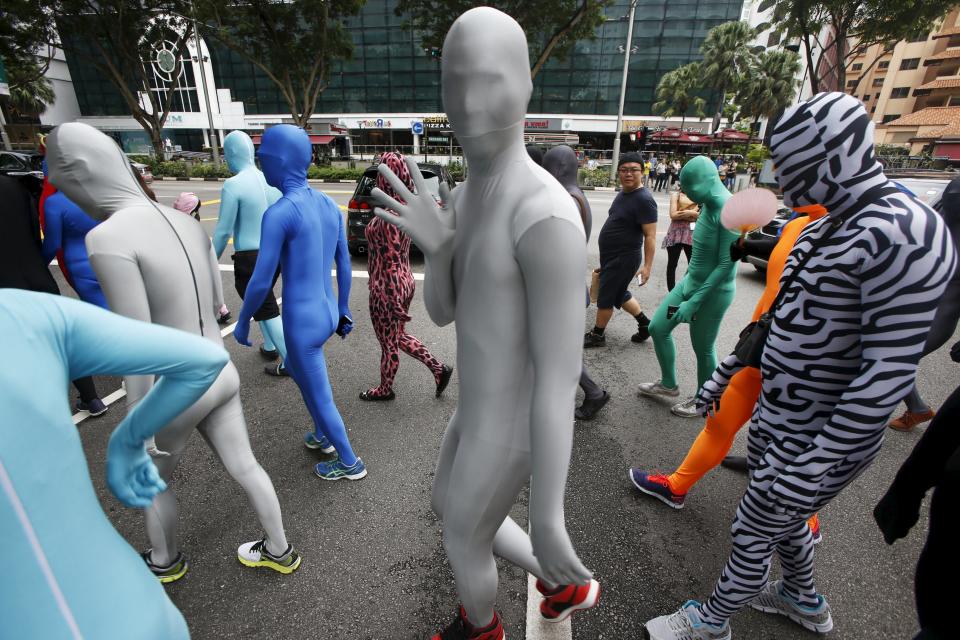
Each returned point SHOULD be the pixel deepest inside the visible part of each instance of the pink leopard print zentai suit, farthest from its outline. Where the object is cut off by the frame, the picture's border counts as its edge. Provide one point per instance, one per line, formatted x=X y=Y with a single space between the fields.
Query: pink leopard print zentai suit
x=391 y=290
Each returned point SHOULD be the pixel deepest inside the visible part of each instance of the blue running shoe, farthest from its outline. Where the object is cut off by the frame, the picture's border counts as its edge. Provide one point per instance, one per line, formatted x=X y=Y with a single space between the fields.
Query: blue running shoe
x=657 y=486
x=311 y=441
x=336 y=470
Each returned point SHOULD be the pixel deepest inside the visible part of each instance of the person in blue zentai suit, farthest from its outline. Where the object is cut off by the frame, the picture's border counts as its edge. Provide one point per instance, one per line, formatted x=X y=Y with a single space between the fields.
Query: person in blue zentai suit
x=303 y=232
x=83 y=579
x=66 y=228
x=243 y=200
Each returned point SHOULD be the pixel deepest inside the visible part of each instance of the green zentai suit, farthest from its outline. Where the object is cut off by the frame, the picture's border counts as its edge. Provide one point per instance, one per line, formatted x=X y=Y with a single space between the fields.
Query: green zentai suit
x=704 y=294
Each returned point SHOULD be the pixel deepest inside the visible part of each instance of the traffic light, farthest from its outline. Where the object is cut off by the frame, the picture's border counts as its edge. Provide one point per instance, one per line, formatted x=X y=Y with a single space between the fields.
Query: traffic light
x=644 y=132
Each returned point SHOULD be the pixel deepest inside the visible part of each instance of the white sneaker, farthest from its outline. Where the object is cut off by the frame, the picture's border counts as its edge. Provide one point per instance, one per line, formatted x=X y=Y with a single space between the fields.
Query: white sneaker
x=686 y=624
x=685 y=409
x=656 y=389
x=773 y=600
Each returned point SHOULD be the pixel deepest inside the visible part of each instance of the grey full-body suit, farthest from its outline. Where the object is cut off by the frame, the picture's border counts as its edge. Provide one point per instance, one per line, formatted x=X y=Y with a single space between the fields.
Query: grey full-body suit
x=157 y=265
x=507 y=264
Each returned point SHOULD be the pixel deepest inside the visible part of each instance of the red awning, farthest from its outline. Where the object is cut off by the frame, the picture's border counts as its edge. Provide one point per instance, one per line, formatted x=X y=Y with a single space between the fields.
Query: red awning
x=948 y=149
x=730 y=135
x=314 y=139
x=676 y=136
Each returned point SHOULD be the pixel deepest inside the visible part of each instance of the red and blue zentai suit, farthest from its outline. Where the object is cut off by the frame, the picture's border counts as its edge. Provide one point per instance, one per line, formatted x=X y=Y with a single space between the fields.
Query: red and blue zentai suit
x=391 y=290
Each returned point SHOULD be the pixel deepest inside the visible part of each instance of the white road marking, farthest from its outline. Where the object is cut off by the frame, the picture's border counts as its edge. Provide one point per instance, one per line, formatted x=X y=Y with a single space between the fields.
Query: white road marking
x=537 y=628
x=356 y=274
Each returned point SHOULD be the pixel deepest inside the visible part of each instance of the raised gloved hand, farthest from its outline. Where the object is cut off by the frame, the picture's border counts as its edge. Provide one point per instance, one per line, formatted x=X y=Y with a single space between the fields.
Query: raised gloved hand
x=896 y=513
x=428 y=224
x=131 y=474
x=345 y=325
x=708 y=397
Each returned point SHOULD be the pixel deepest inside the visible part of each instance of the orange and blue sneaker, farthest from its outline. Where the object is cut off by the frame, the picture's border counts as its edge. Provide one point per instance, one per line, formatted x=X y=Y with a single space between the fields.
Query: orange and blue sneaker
x=560 y=602
x=658 y=486
x=255 y=554
x=169 y=573
x=814 y=524
x=461 y=629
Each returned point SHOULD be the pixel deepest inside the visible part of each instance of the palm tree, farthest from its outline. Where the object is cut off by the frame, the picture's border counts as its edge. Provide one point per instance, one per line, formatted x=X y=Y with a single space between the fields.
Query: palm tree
x=675 y=93
x=773 y=79
x=30 y=90
x=726 y=59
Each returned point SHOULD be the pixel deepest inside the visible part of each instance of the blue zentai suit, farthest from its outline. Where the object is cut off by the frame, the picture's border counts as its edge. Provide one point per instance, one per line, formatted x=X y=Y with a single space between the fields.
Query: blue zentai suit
x=66 y=228
x=67 y=572
x=303 y=232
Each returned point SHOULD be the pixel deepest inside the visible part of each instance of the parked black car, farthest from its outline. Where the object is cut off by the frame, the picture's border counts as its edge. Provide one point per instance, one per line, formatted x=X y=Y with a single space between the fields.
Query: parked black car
x=361 y=205
x=25 y=167
x=759 y=243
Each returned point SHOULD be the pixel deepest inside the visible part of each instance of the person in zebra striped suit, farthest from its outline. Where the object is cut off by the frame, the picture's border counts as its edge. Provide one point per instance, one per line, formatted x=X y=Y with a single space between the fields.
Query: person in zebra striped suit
x=841 y=353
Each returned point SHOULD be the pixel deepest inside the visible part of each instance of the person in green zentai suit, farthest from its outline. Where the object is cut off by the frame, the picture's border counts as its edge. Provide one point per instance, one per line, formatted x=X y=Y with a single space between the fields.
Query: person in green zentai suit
x=704 y=294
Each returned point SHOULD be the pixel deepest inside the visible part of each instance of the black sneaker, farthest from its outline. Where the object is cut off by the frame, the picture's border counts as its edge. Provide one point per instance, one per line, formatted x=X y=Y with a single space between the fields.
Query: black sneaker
x=278 y=371
x=173 y=571
x=95 y=407
x=591 y=339
x=268 y=354
x=444 y=379
x=643 y=329
x=591 y=406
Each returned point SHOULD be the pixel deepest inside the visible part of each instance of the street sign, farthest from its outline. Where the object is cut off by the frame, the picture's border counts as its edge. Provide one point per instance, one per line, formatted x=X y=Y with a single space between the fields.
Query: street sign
x=417 y=128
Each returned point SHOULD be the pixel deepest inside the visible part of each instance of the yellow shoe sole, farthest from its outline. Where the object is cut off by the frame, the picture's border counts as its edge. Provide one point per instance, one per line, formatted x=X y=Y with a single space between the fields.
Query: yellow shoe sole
x=285 y=569
x=174 y=576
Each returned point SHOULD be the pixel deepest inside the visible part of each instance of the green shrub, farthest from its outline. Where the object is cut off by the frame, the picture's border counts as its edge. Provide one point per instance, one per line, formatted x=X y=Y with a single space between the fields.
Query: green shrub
x=757 y=154
x=209 y=170
x=598 y=177
x=457 y=170
x=333 y=173
x=171 y=169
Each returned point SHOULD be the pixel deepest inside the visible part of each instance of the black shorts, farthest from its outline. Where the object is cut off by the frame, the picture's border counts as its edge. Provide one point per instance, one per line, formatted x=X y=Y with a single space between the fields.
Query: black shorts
x=615 y=276
x=243 y=264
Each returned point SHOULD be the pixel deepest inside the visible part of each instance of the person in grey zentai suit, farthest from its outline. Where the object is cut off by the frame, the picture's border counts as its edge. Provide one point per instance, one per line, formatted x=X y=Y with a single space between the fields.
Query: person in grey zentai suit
x=157 y=265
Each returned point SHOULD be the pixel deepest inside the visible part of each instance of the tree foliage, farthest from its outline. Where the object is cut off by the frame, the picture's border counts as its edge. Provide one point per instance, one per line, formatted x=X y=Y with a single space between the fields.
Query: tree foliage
x=553 y=27
x=30 y=90
x=122 y=39
x=771 y=84
x=834 y=32
x=293 y=43
x=727 y=59
x=676 y=93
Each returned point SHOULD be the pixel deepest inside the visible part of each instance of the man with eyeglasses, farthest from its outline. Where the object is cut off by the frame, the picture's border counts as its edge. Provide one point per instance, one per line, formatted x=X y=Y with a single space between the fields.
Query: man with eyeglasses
x=628 y=235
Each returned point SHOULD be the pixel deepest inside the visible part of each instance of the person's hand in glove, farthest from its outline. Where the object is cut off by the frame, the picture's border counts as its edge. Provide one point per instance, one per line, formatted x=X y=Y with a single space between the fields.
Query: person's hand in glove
x=708 y=397
x=345 y=326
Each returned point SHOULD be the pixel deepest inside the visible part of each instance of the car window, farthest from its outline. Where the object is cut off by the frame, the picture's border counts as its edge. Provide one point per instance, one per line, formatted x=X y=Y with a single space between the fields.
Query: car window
x=8 y=161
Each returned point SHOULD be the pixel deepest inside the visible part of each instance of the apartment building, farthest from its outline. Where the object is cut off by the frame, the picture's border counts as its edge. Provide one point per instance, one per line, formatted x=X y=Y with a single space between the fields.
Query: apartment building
x=912 y=76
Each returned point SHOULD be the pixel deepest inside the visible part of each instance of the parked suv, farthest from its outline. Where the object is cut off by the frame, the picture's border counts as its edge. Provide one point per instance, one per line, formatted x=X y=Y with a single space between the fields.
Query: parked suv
x=25 y=167
x=361 y=205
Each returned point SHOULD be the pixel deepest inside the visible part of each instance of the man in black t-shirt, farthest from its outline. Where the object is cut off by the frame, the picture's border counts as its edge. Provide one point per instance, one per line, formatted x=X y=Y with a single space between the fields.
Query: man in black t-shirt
x=629 y=234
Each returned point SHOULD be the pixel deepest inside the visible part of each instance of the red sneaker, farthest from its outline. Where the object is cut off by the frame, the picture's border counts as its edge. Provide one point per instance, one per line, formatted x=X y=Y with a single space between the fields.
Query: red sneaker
x=461 y=629
x=560 y=603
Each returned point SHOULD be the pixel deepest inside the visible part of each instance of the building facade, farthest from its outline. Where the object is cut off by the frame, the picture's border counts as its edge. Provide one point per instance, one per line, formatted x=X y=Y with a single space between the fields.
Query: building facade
x=391 y=84
x=912 y=76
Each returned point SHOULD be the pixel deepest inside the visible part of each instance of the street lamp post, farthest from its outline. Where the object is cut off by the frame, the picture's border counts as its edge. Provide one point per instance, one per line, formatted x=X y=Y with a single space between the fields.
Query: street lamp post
x=623 y=93
x=206 y=94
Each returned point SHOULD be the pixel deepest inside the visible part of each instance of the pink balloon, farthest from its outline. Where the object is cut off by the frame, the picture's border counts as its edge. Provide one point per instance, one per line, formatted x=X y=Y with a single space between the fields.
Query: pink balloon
x=749 y=209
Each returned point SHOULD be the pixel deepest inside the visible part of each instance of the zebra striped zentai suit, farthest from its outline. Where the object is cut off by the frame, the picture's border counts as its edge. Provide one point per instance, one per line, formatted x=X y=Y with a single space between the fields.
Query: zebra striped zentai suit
x=844 y=344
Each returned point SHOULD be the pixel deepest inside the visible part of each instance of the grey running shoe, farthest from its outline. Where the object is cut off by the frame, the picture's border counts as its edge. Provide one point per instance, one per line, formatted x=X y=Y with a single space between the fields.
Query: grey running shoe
x=685 y=409
x=686 y=624
x=170 y=573
x=656 y=389
x=773 y=600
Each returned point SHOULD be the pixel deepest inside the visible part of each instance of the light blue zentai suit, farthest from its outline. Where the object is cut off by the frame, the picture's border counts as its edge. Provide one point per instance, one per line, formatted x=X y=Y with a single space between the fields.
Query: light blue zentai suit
x=69 y=574
x=243 y=200
x=65 y=227
x=303 y=232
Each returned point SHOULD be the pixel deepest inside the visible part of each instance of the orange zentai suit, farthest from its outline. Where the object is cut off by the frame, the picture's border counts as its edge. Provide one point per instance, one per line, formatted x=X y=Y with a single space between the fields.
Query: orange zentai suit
x=740 y=396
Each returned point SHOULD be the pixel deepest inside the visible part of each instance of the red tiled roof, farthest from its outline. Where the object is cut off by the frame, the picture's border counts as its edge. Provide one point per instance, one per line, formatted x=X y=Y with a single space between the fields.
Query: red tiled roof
x=930 y=116
x=942 y=83
x=948 y=54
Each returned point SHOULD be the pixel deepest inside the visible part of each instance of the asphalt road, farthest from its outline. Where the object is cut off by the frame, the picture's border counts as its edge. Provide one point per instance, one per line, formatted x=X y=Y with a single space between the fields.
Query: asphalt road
x=374 y=567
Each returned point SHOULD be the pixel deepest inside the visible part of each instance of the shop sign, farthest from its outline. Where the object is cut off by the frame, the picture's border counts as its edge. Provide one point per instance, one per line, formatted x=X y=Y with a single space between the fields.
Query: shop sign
x=378 y=123
x=543 y=124
x=436 y=122
x=632 y=126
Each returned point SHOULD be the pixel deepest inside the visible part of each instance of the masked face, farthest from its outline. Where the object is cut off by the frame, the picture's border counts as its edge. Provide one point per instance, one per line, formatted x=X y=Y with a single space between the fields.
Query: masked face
x=238 y=151
x=485 y=73
x=698 y=178
x=284 y=155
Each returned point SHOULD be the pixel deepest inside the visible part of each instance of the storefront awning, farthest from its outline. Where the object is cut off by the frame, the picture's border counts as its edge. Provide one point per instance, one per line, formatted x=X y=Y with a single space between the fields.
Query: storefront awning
x=314 y=139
